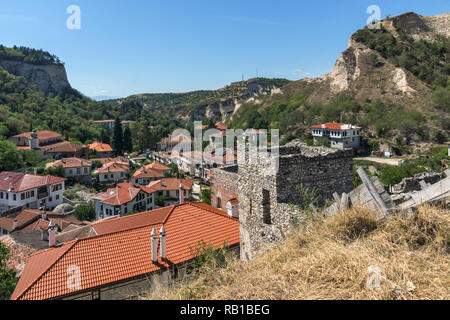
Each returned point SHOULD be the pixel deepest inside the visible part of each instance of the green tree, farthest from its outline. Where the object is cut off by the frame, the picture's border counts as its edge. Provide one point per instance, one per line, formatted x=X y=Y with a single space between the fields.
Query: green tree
x=8 y=279
x=84 y=212
x=205 y=196
x=127 y=140
x=105 y=136
x=10 y=158
x=117 y=143
x=142 y=136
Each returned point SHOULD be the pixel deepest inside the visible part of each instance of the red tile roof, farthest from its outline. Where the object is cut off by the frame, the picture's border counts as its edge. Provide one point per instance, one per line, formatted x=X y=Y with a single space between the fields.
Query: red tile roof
x=171 y=184
x=22 y=182
x=66 y=146
x=100 y=147
x=144 y=173
x=121 y=194
x=220 y=126
x=233 y=201
x=69 y=163
x=336 y=126
x=118 y=256
x=157 y=166
x=42 y=135
x=23 y=219
x=114 y=167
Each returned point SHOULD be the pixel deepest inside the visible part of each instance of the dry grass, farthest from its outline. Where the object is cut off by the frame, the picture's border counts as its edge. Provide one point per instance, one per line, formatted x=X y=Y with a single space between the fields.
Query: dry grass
x=330 y=259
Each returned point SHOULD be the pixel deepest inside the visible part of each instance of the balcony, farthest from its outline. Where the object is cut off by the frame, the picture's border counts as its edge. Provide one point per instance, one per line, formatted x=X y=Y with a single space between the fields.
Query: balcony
x=42 y=195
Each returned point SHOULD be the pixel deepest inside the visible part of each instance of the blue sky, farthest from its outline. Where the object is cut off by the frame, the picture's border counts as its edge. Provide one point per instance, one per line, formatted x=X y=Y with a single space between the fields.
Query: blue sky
x=143 y=46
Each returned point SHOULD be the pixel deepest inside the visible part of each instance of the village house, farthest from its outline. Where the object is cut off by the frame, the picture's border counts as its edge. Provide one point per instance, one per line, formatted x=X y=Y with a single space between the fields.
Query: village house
x=113 y=172
x=138 y=252
x=340 y=136
x=149 y=173
x=124 y=199
x=170 y=189
x=168 y=143
x=74 y=168
x=109 y=124
x=102 y=150
x=20 y=191
x=33 y=219
x=67 y=149
x=40 y=141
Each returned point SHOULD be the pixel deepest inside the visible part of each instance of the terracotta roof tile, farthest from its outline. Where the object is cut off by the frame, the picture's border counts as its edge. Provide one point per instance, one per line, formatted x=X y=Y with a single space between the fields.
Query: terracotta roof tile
x=22 y=182
x=171 y=184
x=114 y=167
x=100 y=147
x=42 y=135
x=146 y=173
x=122 y=193
x=335 y=126
x=157 y=166
x=69 y=163
x=122 y=255
x=66 y=146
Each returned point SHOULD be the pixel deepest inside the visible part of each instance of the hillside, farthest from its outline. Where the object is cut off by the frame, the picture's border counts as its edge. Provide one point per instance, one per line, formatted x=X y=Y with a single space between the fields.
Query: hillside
x=39 y=67
x=393 y=81
x=336 y=258
x=196 y=105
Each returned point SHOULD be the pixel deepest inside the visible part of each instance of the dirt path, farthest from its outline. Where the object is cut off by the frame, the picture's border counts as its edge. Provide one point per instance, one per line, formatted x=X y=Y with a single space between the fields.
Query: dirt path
x=391 y=162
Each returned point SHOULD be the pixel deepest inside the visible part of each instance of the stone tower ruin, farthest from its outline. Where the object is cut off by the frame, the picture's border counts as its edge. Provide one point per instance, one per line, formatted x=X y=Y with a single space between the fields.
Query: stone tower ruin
x=266 y=195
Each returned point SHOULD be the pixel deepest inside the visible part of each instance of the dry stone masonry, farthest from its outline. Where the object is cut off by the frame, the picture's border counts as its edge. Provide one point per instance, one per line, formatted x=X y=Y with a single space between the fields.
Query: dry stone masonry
x=267 y=196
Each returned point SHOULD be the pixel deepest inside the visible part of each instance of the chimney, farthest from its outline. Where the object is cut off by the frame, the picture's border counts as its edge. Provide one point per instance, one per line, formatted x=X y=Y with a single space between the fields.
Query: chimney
x=51 y=234
x=181 y=193
x=35 y=171
x=14 y=225
x=44 y=216
x=154 y=245
x=162 y=242
x=10 y=187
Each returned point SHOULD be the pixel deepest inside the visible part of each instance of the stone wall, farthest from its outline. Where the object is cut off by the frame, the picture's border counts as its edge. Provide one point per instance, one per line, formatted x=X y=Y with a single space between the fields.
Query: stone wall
x=224 y=185
x=267 y=195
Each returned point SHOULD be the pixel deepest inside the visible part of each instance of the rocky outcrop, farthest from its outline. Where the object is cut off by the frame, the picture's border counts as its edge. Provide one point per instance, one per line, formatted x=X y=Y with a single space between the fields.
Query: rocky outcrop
x=47 y=78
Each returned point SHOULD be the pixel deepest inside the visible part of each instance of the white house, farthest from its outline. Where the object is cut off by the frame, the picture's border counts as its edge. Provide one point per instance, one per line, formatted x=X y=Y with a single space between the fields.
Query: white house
x=123 y=200
x=26 y=191
x=113 y=172
x=233 y=208
x=170 y=188
x=74 y=168
x=339 y=135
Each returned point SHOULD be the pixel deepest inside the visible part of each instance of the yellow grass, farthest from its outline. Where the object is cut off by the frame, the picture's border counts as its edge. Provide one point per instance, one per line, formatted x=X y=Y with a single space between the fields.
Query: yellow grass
x=333 y=258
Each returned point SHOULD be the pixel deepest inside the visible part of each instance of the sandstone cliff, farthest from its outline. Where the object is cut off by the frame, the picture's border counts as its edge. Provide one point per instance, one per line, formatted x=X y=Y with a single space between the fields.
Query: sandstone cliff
x=47 y=78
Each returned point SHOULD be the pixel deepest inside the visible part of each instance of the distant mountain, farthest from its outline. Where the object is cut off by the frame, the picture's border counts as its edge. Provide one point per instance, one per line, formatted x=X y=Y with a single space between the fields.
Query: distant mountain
x=196 y=105
x=103 y=98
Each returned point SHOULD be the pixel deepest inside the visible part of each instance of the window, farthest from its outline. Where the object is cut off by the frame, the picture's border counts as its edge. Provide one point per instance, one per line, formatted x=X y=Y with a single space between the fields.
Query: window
x=1 y=195
x=219 y=202
x=14 y=197
x=266 y=207
x=57 y=197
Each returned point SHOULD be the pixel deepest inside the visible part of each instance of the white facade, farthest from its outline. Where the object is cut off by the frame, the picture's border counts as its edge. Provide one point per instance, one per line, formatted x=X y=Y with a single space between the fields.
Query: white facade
x=47 y=197
x=142 y=202
x=112 y=176
x=347 y=138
